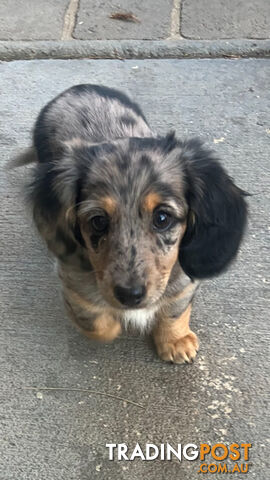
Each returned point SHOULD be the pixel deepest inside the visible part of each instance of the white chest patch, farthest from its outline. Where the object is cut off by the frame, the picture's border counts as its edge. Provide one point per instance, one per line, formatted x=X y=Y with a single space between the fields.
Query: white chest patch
x=140 y=319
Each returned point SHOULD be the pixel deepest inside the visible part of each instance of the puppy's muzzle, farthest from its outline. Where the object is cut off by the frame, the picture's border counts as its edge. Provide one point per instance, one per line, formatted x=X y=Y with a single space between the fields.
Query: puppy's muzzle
x=130 y=296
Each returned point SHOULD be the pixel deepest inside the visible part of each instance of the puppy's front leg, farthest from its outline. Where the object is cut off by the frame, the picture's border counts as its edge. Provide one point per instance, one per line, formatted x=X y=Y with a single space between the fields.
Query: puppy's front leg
x=105 y=328
x=174 y=340
x=97 y=325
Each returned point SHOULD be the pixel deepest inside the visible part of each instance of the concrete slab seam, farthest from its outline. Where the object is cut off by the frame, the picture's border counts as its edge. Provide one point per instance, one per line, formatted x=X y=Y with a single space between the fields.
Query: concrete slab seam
x=70 y=20
x=175 y=20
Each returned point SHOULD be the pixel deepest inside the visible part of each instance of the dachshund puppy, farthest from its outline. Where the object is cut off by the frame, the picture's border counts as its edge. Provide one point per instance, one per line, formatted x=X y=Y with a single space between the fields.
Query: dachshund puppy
x=135 y=220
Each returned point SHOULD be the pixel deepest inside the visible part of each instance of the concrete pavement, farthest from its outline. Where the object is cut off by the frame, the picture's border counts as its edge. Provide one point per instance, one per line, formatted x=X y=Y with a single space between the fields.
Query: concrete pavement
x=157 y=28
x=216 y=19
x=224 y=396
x=152 y=20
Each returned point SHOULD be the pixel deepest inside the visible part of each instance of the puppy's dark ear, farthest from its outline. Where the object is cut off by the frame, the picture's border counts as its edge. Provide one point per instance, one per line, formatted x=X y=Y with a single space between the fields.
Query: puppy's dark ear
x=54 y=194
x=217 y=214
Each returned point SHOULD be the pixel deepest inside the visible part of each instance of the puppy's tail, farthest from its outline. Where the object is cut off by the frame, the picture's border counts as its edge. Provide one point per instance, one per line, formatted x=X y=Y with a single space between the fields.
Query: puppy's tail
x=28 y=156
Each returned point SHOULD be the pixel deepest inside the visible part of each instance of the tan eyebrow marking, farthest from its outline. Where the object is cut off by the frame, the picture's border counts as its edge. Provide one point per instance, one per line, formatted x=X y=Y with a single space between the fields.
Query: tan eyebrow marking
x=109 y=204
x=151 y=201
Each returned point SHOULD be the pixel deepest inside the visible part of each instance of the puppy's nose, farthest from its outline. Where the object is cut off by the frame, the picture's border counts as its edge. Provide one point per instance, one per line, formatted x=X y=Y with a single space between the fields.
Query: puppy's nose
x=130 y=296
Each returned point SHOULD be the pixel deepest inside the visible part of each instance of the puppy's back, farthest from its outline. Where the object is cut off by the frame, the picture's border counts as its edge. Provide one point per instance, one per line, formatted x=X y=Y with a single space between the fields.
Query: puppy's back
x=87 y=114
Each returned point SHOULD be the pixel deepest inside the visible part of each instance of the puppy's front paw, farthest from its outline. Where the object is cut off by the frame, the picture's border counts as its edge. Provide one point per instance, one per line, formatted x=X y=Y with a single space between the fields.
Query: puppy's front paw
x=174 y=340
x=180 y=350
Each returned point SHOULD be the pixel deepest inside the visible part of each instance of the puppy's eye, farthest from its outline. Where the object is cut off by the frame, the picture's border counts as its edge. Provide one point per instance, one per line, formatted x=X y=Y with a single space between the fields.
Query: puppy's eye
x=100 y=224
x=162 y=220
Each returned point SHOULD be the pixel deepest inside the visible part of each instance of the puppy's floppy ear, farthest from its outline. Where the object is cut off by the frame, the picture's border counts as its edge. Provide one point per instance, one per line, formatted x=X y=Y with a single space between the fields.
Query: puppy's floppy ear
x=54 y=194
x=217 y=213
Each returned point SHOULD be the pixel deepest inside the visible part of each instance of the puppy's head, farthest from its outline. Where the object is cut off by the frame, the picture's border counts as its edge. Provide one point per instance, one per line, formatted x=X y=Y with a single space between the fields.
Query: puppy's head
x=139 y=206
x=131 y=214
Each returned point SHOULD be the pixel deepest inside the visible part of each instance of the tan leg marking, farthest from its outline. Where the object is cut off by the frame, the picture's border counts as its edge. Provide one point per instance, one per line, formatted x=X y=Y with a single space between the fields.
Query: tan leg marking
x=174 y=340
x=105 y=328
